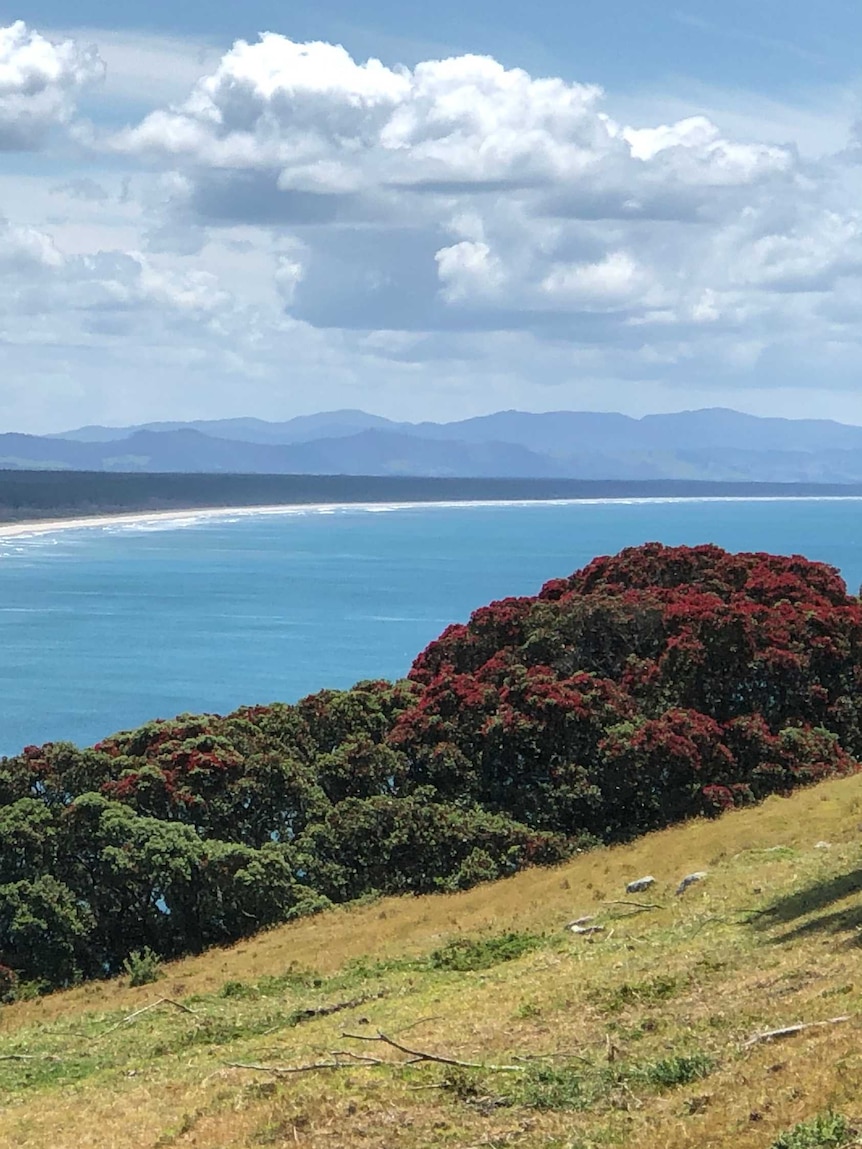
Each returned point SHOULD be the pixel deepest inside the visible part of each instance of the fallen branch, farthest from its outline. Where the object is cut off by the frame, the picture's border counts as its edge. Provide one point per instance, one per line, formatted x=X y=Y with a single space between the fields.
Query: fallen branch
x=30 y=1057
x=282 y=1070
x=639 y=905
x=419 y=1021
x=361 y=1058
x=415 y=1056
x=563 y=1056
x=791 y=1030
x=145 y=1009
x=300 y=1015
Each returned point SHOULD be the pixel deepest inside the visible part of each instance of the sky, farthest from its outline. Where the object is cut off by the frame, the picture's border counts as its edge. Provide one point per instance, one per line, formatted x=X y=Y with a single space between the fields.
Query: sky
x=428 y=211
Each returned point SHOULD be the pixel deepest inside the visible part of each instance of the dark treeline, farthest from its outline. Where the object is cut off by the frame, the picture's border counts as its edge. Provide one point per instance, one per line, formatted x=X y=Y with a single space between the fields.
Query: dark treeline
x=46 y=494
x=657 y=685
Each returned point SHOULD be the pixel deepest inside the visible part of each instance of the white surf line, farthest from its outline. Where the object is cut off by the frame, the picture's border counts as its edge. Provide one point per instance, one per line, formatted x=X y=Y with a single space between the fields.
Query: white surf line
x=191 y=516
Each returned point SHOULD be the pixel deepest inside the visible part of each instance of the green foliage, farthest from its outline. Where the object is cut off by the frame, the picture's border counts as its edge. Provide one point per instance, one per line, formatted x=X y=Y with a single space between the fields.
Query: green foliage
x=9 y=985
x=680 y=1069
x=652 y=991
x=545 y=1085
x=825 y=1131
x=143 y=967
x=464 y=955
x=551 y=1087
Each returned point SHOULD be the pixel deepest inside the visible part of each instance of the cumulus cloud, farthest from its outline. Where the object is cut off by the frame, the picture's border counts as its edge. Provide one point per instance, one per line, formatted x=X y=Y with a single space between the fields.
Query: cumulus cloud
x=326 y=123
x=39 y=81
x=487 y=188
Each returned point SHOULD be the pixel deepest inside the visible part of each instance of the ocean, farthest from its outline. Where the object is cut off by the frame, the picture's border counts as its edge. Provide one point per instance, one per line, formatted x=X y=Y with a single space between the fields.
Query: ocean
x=105 y=627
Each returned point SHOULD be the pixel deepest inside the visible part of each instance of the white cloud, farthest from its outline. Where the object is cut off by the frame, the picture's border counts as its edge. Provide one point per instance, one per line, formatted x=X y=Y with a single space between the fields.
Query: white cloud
x=703 y=156
x=469 y=270
x=465 y=120
x=39 y=81
x=612 y=281
x=285 y=228
x=25 y=248
x=542 y=197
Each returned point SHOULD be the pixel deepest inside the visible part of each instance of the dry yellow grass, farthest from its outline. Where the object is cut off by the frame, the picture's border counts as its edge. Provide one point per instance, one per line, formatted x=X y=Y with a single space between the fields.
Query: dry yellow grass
x=772 y=937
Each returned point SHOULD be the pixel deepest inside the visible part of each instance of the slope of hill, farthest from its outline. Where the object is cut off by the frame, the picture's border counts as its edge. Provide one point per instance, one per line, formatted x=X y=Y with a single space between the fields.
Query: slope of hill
x=637 y=1035
x=328 y=424
x=185 y=450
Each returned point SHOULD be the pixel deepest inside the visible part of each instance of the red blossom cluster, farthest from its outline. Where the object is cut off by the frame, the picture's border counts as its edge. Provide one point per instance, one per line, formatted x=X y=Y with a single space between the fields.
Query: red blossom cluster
x=651 y=685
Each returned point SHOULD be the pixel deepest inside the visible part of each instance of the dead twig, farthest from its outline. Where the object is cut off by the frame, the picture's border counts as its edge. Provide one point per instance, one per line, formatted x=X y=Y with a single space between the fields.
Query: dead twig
x=791 y=1030
x=361 y=1058
x=415 y=1056
x=638 y=905
x=420 y=1021
x=563 y=1056
x=301 y=1015
x=283 y=1070
x=30 y=1057
x=145 y=1009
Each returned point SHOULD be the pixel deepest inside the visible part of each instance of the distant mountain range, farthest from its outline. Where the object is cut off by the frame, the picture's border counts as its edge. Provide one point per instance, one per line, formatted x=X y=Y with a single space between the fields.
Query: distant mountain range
x=715 y=444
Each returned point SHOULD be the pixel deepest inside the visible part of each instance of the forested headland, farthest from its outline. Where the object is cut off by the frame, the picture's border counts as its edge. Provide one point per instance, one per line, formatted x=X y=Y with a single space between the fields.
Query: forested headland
x=650 y=687
x=26 y=495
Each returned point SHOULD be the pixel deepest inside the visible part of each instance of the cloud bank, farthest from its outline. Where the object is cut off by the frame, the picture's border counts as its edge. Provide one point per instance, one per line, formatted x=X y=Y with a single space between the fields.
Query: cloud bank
x=313 y=230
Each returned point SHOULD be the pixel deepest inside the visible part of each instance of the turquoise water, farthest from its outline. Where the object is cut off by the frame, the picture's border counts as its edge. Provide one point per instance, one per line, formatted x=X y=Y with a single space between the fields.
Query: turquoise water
x=105 y=627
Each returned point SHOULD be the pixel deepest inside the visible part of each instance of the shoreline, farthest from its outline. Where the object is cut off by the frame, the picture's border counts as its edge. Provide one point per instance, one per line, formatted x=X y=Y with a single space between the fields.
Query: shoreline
x=191 y=516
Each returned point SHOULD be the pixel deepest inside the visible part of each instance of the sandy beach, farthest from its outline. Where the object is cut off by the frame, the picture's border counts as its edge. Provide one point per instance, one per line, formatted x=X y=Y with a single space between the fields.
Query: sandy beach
x=179 y=517
x=189 y=516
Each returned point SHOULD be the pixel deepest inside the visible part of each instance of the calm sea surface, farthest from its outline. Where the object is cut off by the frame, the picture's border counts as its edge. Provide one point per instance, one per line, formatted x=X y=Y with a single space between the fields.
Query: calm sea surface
x=105 y=627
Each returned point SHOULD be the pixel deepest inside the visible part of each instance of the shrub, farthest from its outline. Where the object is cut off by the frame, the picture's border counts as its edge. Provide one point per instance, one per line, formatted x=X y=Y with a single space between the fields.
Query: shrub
x=682 y=1069
x=551 y=1087
x=465 y=955
x=8 y=985
x=825 y=1131
x=143 y=966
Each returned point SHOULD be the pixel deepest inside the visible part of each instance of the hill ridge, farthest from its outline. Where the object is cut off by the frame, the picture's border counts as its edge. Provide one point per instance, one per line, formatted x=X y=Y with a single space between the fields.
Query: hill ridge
x=709 y=443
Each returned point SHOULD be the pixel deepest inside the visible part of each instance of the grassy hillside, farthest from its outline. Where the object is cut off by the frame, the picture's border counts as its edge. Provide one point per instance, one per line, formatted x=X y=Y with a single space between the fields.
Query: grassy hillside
x=632 y=1036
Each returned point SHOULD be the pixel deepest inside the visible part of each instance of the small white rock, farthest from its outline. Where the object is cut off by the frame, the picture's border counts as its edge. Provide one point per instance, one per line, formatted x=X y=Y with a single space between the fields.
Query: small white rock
x=689 y=880
x=640 y=885
x=822 y=845
x=581 y=921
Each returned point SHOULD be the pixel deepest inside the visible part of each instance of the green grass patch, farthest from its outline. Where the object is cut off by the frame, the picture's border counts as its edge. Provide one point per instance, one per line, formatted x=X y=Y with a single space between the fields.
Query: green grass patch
x=669 y=1072
x=466 y=955
x=825 y=1131
x=552 y=1087
x=652 y=991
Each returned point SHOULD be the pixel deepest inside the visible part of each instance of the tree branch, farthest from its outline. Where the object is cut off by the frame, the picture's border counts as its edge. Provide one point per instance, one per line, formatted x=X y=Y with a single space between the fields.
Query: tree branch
x=639 y=905
x=418 y=1055
x=145 y=1009
x=791 y=1030
x=301 y=1015
x=282 y=1070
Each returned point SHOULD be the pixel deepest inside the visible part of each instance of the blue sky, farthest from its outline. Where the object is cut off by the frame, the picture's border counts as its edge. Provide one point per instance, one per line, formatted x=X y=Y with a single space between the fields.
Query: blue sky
x=610 y=206
x=765 y=45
